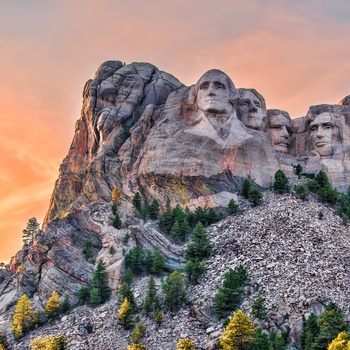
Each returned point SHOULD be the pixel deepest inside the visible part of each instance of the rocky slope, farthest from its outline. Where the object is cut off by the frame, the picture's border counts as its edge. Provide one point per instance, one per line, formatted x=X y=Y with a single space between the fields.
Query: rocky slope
x=295 y=261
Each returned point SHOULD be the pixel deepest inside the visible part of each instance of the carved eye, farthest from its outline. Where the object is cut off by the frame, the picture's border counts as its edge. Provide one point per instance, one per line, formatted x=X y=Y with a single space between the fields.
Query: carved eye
x=243 y=103
x=257 y=104
x=204 y=86
x=220 y=86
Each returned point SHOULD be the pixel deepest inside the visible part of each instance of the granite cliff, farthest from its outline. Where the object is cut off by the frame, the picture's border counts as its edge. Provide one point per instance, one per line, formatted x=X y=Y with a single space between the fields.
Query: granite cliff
x=141 y=130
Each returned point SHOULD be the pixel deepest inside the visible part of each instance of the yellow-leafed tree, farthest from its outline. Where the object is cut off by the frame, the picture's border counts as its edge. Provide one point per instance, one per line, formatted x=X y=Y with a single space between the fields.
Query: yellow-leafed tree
x=137 y=347
x=116 y=195
x=23 y=317
x=238 y=332
x=341 y=342
x=185 y=344
x=125 y=314
x=49 y=343
x=52 y=306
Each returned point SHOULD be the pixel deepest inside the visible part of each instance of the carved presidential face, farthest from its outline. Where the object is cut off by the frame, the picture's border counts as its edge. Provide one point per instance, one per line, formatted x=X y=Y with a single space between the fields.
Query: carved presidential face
x=214 y=94
x=324 y=134
x=280 y=132
x=250 y=110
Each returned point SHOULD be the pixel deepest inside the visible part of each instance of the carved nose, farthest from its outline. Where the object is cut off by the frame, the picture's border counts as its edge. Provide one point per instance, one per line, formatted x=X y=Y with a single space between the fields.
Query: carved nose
x=252 y=108
x=285 y=133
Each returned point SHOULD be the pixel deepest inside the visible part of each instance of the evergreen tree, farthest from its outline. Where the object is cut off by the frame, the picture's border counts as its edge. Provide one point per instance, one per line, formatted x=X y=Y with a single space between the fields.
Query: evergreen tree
x=52 y=307
x=341 y=342
x=176 y=232
x=151 y=303
x=138 y=333
x=125 y=292
x=322 y=179
x=4 y=345
x=185 y=229
x=331 y=324
x=255 y=196
x=259 y=309
x=145 y=210
x=166 y=221
x=125 y=314
x=65 y=305
x=83 y=295
x=159 y=318
x=200 y=246
x=175 y=293
x=100 y=281
x=233 y=207
x=298 y=170
x=281 y=184
x=137 y=201
x=194 y=270
x=185 y=344
x=246 y=187
x=211 y=216
x=158 y=262
x=190 y=217
x=154 y=209
x=149 y=260
x=117 y=222
x=116 y=195
x=301 y=191
x=229 y=295
x=87 y=249
x=30 y=231
x=239 y=332
x=129 y=276
x=23 y=317
x=49 y=343
x=95 y=296
x=277 y=342
x=200 y=216
x=310 y=332
x=135 y=259
x=260 y=341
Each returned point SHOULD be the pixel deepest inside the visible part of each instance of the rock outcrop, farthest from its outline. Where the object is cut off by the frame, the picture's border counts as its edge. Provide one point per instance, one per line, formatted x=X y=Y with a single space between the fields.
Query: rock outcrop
x=142 y=130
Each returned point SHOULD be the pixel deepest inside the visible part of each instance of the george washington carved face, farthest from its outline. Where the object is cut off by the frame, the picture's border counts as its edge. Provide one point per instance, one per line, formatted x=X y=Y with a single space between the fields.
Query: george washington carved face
x=215 y=92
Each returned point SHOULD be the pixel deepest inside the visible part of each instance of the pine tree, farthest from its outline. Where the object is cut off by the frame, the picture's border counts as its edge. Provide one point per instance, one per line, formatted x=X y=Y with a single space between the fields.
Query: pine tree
x=341 y=342
x=228 y=297
x=137 y=201
x=239 y=332
x=277 y=342
x=281 y=184
x=117 y=223
x=129 y=276
x=151 y=303
x=4 y=345
x=200 y=246
x=166 y=221
x=52 y=307
x=185 y=344
x=125 y=314
x=138 y=333
x=95 y=296
x=145 y=210
x=158 y=262
x=233 y=207
x=298 y=170
x=22 y=318
x=149 y=259
x=87 y=249
x=175 y=293
x=154 y=209
x=331 y=324
x=83 y=295
x=194 y=270
x=245 y=188
x=260 y=341
x=116 y=195
x=176 y=232
x=301 y=191
x=255 y=196
x=65 y=306
x=135 y=259
x=259 y=309
x=30 y=231
x=100 y=282
x=310 y=332
x=159 y=318
x=125 y=291
x=200 y=216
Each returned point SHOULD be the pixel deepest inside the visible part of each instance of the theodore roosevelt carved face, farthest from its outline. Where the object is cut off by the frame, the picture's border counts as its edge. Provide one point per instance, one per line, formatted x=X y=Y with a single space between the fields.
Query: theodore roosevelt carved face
x=279 y=129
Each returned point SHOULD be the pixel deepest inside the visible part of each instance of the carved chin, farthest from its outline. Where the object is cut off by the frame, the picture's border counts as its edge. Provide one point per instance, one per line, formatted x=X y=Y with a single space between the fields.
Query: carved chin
x=281 y=147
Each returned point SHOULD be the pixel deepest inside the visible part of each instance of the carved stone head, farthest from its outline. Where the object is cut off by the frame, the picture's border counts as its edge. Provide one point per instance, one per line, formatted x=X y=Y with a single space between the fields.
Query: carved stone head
x=279 y=129
x=251 y=109
x=325 y=133
x=216 y=93
x=345 y=101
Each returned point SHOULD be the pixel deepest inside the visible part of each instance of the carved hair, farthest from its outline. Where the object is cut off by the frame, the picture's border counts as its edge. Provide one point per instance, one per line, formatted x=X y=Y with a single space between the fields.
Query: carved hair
x=345 y=101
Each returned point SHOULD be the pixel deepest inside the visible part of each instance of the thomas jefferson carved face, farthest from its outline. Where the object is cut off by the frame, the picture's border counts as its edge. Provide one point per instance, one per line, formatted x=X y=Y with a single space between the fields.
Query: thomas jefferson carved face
x=280 y=132
x=250 y=110
x=214 y=93
x=324 y=134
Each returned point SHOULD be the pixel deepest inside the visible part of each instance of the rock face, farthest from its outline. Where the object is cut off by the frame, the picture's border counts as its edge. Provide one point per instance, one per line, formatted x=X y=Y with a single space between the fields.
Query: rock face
x=141 y=130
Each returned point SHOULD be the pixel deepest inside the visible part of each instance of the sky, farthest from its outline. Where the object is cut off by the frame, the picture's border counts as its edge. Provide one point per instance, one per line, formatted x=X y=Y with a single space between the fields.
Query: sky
x=295 y=53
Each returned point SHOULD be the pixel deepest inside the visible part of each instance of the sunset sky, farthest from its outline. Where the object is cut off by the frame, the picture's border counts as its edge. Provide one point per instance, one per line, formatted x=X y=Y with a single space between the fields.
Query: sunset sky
x=295 y=53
